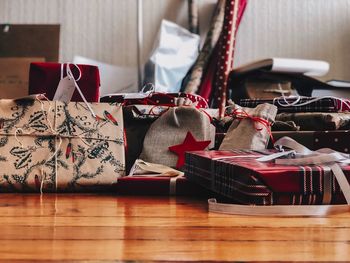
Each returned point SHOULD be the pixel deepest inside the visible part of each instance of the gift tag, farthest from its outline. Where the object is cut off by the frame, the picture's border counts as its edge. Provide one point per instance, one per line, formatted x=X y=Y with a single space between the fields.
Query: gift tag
x=65 y=90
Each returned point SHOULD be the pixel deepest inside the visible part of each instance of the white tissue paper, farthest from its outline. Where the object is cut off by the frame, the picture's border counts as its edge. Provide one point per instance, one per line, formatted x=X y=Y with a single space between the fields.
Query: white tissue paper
x=176 y=49
x=114 y=79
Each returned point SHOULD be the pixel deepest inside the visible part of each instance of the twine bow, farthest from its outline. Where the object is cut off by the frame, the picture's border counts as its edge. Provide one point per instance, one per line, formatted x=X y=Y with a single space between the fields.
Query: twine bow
x=241 y=114
x=53 y=132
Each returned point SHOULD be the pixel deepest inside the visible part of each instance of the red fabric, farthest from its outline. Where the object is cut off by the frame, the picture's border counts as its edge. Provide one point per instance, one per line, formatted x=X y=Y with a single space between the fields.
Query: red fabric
x=206 y=87
x=159 y=99
x=133 y=185
x=44 y=78
x=189 y=144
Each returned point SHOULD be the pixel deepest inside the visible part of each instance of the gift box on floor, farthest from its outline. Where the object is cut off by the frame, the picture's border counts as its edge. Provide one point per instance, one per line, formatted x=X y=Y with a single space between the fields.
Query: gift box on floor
x=158 y=185
x=56 y=146
x=238 y=175
x=45 y=77
x=336 y=140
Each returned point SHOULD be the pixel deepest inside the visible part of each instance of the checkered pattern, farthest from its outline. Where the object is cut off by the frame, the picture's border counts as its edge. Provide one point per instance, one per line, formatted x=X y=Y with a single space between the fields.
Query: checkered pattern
x=322 y=105
x=237 y=175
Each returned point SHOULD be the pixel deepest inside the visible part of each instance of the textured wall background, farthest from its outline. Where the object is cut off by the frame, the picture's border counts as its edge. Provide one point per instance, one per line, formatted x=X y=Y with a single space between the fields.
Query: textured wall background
x=106 y=29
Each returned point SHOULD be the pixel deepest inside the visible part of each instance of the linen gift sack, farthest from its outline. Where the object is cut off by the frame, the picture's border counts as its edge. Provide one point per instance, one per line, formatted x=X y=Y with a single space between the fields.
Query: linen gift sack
x=252 y=131
x=171 y=129
x=55 y=146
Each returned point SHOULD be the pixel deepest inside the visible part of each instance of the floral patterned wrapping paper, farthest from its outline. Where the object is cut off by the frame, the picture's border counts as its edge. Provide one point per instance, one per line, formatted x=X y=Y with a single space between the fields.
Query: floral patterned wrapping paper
x=54 y=146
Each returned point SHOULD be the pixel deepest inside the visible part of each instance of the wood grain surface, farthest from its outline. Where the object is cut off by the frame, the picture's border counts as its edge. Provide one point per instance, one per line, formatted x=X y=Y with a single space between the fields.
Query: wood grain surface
x=107 y=228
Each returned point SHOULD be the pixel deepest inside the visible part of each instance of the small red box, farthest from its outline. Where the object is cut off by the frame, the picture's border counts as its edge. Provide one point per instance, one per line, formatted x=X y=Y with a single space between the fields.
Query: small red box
x=44 y=79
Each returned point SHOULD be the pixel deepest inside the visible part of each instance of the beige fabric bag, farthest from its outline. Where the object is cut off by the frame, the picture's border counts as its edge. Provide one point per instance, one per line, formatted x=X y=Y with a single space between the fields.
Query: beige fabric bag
x=171 y=129
x=243 y=134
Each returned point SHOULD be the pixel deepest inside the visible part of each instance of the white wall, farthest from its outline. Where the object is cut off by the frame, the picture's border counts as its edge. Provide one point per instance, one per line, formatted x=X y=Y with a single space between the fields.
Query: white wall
x=314 y=29
x=106 y=29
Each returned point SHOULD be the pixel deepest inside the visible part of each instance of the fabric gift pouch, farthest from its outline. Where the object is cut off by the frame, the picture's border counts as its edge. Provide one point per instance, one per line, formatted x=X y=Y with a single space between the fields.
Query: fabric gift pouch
x=175 y=131
x=45 y=77
x=250 y=129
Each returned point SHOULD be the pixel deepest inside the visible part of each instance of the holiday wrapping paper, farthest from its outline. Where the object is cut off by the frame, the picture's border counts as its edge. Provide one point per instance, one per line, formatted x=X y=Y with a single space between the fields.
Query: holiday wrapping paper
x=239 y=176
x=55 y=146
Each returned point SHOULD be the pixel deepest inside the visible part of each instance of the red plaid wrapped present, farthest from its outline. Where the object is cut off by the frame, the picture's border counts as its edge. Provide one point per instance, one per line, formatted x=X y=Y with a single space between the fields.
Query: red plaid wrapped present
x=238 y=175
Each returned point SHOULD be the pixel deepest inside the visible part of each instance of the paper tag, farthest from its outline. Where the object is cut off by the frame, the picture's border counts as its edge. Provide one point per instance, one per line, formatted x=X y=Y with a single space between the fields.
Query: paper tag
x=65 y=90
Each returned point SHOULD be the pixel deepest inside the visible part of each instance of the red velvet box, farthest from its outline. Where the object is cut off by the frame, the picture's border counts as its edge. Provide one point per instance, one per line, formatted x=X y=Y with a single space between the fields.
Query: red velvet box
x=238 y=175
x=44 y=78
x=141 y=185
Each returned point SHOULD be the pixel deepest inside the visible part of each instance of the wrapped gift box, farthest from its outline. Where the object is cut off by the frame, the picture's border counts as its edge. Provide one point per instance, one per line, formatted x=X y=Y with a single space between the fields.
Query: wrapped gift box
x=56 y=146
x=158 y=185
x=45 y=77
x=312 y=104
x=336 y=140
x=237 y=175
x=158 y=99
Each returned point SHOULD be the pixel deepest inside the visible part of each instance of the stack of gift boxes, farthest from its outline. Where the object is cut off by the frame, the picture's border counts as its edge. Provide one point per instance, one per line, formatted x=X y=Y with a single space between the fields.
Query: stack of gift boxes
x=161 y=144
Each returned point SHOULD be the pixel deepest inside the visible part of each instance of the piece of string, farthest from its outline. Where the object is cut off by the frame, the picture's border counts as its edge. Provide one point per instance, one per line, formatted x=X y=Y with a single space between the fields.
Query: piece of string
x=71 y=76
x=284 y=101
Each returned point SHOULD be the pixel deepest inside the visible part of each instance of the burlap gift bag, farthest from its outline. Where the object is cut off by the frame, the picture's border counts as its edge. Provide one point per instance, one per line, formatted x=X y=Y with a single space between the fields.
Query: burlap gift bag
x=252 y=131
x=171 y=129
x=56 y=146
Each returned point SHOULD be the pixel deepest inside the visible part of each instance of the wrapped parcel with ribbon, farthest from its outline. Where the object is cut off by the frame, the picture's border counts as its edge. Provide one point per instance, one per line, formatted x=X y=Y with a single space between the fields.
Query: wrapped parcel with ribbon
x=296 y=182
x=51 y=146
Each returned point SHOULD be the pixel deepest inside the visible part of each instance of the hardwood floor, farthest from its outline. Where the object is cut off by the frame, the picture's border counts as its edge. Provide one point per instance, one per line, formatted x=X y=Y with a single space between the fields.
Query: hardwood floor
x=108 y=228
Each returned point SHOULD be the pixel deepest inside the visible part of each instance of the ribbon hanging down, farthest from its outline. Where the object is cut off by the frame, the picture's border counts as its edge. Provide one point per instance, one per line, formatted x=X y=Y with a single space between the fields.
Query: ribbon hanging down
x=300 y=156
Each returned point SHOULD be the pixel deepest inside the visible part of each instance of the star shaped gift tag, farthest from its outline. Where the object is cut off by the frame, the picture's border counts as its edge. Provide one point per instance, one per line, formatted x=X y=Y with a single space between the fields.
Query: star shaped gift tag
x=189 y=144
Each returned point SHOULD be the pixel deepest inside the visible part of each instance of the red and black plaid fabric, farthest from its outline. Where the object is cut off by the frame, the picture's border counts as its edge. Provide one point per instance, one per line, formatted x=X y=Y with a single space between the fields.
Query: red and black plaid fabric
x=321 y=105
x=157 y=98
x=239 y=176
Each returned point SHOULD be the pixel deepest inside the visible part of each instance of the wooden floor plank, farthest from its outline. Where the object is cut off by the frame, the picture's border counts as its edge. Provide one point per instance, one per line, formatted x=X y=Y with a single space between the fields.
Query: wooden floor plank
x=176 y=233
x=173 y=250
x=108 y=228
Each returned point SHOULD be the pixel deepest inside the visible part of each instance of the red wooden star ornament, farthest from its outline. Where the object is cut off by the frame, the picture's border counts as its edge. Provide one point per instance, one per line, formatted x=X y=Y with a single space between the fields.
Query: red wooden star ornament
x=189 y=144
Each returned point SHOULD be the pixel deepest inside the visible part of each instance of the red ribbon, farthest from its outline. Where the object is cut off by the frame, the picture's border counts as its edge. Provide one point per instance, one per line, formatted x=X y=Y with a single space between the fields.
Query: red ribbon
x=242 y=114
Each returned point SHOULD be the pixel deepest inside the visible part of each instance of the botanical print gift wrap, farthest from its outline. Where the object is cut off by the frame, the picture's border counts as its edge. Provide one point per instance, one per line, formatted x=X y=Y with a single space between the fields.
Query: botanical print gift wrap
x=54 y=146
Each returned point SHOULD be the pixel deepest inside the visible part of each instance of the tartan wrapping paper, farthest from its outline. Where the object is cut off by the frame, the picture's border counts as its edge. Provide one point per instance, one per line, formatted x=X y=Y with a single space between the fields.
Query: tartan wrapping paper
x=321 y=105
x=237 y=175
x=61 y=144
